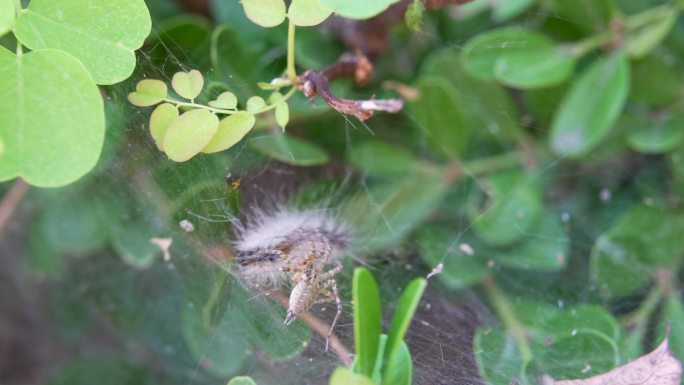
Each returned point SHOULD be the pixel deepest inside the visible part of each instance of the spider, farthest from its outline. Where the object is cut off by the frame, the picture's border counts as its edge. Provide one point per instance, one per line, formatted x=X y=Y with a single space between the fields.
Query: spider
x=295 y=247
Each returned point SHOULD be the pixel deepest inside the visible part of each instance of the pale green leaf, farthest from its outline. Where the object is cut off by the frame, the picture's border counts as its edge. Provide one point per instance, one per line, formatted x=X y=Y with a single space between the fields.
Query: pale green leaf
x=643 y=40
x=255 y=103
x=414 y=16
x=226 y=101
x=188 y=84
x=148 y=92
x=230 y=131
x=161 y=119
x=357 y=9
x=52 y=121
x=282 y=114
x=344 y=376
x=241 y=380
x=305 y=13
x=101 y=34
x=189 y=134
x=266 y=13
x=7 y=15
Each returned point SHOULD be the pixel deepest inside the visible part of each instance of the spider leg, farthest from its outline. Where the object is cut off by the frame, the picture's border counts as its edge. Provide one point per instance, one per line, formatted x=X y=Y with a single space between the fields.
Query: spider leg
x=331 y=273
x=333 y=284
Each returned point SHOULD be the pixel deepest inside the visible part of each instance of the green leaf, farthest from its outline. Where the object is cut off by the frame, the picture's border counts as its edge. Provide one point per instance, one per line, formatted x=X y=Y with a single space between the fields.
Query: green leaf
x=367 y=322
x=655 y=81
x=189 y=134
x=266 y=13
x=400 y=368
x=506 y=10
x=148 y=92
x=223 y=347
x=440 y=113
x=7 y=15
x=379 y=158
x=230 y=131
x=344 y=376
x=226 y=100
x=497 y=357
x=241 y=380
x=656 y=137
x=641 y=41
x=50 y=104
x=590 y=16
x=408 y=303
x=673 y=317
x=616 y=268
x=460 y=269
x=188 y=84
x=591 y=107
x=102 y=35
x=282 y=114
x=357 y=9
x=161 y=119
x=386 y=213
x=108 y=370
x=304 y=13
x=482 y=52
x=513 y=207
x=584 y=354
x=290 y=150
x=255 y=103
x=536 y=67
x=548 y=250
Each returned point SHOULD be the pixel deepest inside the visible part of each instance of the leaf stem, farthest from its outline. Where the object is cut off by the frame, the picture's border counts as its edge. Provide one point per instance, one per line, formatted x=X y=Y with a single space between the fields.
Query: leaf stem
x=492 y=163
x=502 y=308
x=291 y=71
x=230 y=112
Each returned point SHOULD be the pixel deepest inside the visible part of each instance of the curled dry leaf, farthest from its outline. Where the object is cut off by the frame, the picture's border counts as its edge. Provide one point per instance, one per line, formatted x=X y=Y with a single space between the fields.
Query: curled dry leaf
x=658 y=367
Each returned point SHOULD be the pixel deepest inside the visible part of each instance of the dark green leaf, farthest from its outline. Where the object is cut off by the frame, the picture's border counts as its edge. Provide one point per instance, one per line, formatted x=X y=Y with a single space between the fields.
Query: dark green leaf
x=382 y=159
x=497 y=357
x=650 y=136
x=590 y=108
x=290 y=150
x=440 y=113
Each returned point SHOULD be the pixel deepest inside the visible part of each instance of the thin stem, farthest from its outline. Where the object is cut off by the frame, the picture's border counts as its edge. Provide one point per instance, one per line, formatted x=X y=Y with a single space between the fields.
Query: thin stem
x=291 y=70
x=492 y=163
x=11 y=200
x=641 y=315
x=502 y=308
x=229 y=112
x=213 y=298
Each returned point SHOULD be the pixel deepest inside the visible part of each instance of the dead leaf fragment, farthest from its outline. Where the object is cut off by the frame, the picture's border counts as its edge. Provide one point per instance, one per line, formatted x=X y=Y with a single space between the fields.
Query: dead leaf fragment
x=164 y=244
x=658 y=367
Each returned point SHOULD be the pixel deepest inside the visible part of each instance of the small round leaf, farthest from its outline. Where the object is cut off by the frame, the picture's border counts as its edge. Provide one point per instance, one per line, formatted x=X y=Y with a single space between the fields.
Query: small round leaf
x=255 y=103
x=227 y=101
x=148 y=92
x=266 y=13
x=161 y=119
x=189 y=134
x=305 y=13
x=230 y=131
x=282 y=114
x=188 y=84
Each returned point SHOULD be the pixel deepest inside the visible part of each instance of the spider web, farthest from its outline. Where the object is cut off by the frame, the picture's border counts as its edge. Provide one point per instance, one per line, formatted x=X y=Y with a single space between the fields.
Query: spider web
x=207 y=326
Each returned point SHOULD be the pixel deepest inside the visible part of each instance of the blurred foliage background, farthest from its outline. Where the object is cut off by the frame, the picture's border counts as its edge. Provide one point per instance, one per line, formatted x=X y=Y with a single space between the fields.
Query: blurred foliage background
x=539 y=158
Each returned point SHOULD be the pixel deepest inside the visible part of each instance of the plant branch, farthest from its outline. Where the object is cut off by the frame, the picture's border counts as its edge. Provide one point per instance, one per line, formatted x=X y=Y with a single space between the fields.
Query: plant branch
x=504 y=311
x=291 y=70
x=319 y=327
x=11 y=200
x=317 y=82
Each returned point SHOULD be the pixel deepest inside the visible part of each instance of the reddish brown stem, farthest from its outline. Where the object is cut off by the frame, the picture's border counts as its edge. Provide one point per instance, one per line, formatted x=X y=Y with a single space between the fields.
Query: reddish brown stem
x=11 y=200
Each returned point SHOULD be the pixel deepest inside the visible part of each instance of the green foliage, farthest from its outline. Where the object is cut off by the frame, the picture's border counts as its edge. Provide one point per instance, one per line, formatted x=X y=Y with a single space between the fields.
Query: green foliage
x=51 y=98
x=241 y=380
x=380 y=358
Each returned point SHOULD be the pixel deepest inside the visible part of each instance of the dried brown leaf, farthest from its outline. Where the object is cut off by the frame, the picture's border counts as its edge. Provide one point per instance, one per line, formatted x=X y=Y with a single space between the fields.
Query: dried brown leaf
x=658 y=367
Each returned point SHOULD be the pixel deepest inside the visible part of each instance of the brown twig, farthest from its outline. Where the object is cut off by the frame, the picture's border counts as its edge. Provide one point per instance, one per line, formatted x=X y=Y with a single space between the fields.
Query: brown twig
x=11 y=200
x=319 y=327
x=317 y=82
